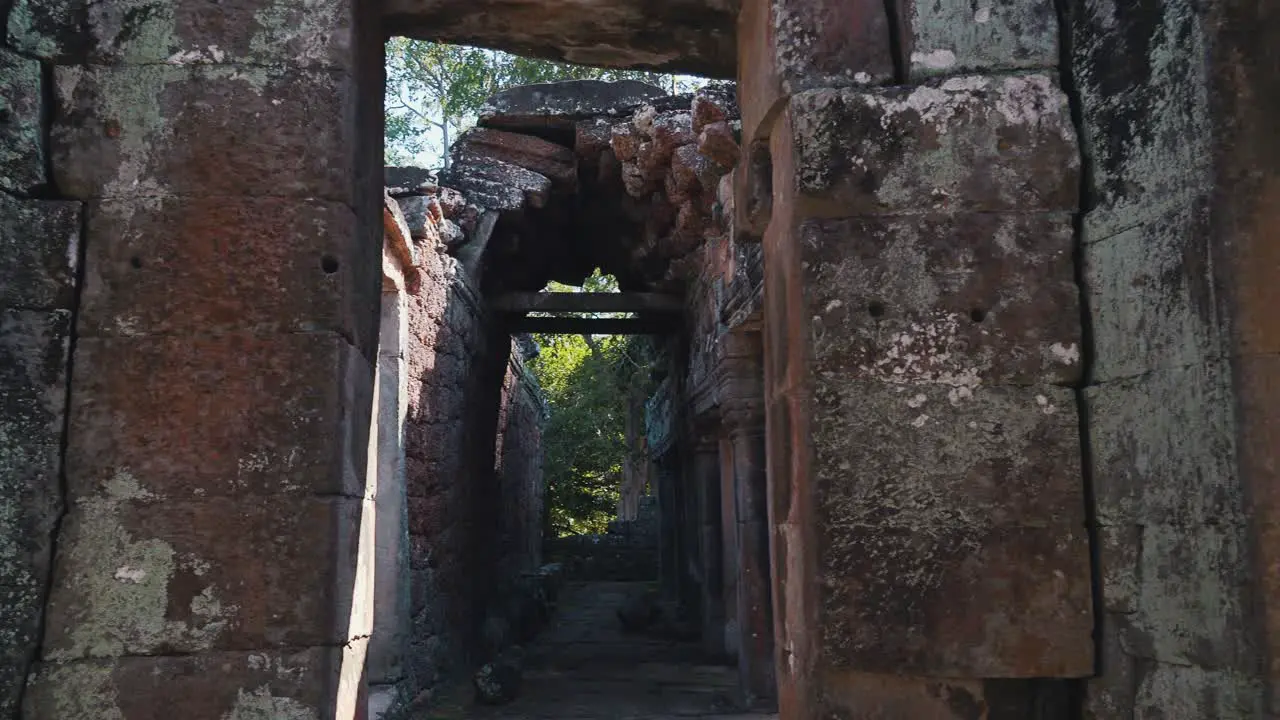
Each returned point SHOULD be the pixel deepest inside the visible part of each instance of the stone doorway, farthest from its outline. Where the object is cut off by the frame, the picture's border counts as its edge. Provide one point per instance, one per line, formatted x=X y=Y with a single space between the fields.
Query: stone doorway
x=187 y=405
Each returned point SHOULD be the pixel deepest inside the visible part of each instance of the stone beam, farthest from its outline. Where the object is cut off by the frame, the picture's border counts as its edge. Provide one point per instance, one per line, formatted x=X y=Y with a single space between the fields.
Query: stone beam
x=586 y=302
x=593 y=326
x=689 y=36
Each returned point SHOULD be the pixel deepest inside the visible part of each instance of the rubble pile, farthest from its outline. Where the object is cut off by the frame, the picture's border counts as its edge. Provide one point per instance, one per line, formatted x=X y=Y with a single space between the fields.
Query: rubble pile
x=560 y=178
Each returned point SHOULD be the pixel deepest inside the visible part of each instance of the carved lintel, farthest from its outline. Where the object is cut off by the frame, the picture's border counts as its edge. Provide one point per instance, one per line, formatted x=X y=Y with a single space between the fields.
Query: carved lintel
x=740 y=381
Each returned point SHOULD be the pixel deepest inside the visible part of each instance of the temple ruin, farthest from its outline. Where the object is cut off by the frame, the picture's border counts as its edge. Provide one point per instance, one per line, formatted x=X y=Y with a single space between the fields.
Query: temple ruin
x=972 y=405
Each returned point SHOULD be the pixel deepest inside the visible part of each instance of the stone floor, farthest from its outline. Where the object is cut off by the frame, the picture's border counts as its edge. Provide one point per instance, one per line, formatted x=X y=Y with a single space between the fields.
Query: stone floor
x=583 y=667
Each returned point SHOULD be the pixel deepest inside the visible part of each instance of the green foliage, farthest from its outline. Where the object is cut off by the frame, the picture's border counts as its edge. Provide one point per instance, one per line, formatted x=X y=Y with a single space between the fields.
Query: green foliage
x=435 y=90
x=587 y=380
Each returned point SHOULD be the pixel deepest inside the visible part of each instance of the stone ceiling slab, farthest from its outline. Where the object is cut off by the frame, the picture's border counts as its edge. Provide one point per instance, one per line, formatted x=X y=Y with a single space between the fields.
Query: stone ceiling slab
x=688 y=36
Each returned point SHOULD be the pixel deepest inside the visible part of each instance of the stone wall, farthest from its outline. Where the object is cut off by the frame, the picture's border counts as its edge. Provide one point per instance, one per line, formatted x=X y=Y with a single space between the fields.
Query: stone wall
x=472 y=441
x=39 y=262
x=1178 y=632
x=521 y=487
x=922 y=338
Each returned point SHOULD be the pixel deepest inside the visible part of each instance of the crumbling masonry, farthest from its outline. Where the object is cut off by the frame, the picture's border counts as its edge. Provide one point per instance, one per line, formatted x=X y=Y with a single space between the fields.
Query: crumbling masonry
x=973 y=410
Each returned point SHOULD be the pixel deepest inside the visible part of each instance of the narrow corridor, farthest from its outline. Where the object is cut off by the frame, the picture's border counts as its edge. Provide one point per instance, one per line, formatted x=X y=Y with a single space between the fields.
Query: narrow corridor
x=583 y=666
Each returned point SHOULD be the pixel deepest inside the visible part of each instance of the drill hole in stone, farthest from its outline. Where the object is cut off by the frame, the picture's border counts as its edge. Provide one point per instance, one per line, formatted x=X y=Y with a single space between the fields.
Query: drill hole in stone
x=876 y=310
x=135 y=262
x=329 y=264
x=977 y=315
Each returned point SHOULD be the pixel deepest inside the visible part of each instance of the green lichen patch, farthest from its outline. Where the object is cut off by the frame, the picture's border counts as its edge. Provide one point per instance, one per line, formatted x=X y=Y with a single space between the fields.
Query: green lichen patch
x=116 y=592
x=22 y=149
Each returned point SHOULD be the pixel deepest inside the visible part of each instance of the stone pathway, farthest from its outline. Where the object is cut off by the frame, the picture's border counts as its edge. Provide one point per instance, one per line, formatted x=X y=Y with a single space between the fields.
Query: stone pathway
x=583 y=667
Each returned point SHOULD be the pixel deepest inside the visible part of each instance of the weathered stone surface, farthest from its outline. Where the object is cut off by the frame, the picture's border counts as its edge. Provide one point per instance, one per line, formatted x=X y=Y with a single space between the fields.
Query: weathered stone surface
x=892 y=697
x=22 y=138
x=40 y=242
x=467 y=168
x=489 y=194
x=138 y=573
x=407 y=180
x=33 y=366
x=556 y=162
x=671 y=35
x=226 y=263
x=956 y=300
x=125 y=422
x=967 y=143
x=625 y=141
x=1144 y=85
x=417 y=211
x=924 y=457
x=299 y=33
x=1111 y=696
x=199 y=130
x=1151 y=296
x=788 y=46
x=561 y=104
x=1175 y=465
x=294 y=684
x=1181 y=691
x=947 y=37
x=716 y=142
x=1191 y=610
x=958 y=601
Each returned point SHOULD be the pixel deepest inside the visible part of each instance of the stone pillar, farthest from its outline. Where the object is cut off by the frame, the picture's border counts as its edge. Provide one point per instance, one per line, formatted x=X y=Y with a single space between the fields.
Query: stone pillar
x=706 y=482
x=391 y=589
x=742 y=414
x=729 y=564
x=922 y=334
x=666 y=477
x=220 y=404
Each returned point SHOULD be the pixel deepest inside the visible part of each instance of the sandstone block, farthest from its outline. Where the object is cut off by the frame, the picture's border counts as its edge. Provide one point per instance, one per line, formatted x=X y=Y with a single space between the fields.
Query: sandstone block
x=591 y=137
x=138 y=575
x=1111 y=696
x=234 y=415
x=625 y=141
x=298 y=33
x=788 y=46
x=958 y=601
x=967 y=143
x=417 y=215
x=1192 y=597
x=1143 y=163
x=33 y=365
x=196 y=265
x=716 y=142
x=687 y=169
x=236 y=684
x=556 y=162
x=705 y=111
x=408 y=180
x=1199 y=692
x=960 y=300
x=204 y=130
x=1164 y=448
x=924 y=456
x=480 y=174
x=1151 y=296
x=40 y=242
x=560 y=105
x=947 y=37
x=22 y=142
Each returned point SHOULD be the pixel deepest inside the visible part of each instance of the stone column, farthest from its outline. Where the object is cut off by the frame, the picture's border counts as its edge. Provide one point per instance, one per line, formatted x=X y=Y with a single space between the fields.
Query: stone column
x=922 y=334
x=220 y=404
x=669 y=557
x=742 y=415
x=391 y=589
x=706 y=481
